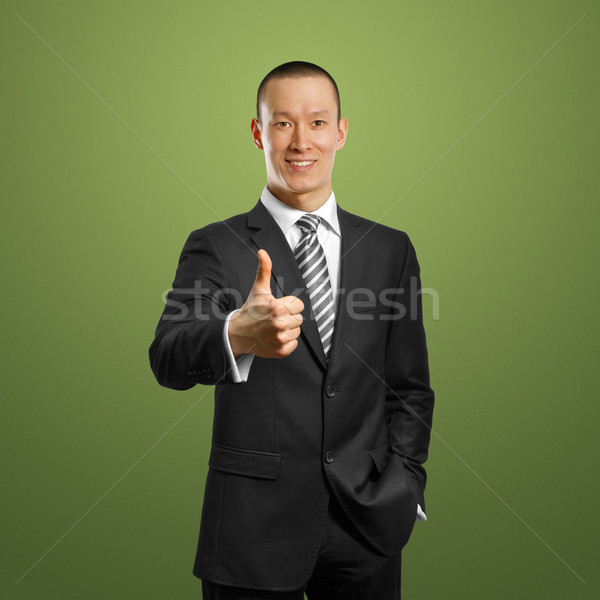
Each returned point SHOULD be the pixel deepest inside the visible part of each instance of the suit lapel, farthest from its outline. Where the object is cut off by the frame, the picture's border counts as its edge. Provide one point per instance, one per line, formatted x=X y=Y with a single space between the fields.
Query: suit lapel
x=285 y=272
x=351 y=267
x=288 y=280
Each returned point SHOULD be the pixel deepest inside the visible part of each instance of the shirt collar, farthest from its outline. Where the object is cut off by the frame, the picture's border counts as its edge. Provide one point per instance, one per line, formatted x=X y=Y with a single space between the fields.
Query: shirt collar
x=286 y=216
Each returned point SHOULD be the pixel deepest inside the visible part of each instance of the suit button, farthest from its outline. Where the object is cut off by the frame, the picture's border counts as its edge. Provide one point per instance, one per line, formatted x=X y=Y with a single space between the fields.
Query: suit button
x=330 y=391
x=329 y=457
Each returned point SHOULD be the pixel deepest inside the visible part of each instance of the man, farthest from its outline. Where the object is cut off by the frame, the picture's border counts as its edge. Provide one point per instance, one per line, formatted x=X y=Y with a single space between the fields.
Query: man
x=323 y=407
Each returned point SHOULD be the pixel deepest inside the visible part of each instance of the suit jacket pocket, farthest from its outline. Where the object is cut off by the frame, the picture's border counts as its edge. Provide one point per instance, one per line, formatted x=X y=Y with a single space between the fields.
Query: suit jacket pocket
x=250 y=463
x=379 y=456
x=368 y=307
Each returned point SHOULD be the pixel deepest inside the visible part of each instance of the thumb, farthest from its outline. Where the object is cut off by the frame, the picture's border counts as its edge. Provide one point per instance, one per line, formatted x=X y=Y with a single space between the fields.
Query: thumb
x=262 y=283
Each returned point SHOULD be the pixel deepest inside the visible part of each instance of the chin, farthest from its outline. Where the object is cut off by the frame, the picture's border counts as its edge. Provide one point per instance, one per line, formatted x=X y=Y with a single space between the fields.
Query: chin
x=302 y=187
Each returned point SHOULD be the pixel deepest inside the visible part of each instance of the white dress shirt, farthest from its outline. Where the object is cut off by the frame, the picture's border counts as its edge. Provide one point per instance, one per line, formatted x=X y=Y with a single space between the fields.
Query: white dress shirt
x=330 y=238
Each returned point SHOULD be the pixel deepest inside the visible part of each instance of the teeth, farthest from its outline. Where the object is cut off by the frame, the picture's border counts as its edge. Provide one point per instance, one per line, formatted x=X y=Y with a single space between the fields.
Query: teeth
x=303 y=163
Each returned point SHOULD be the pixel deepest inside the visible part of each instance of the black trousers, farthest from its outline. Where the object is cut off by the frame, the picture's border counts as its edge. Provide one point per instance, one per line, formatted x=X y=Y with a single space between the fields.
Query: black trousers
x=347 y=568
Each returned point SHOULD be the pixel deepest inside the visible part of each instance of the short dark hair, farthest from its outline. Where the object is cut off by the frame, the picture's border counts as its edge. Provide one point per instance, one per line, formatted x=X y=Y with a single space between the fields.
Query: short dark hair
x=296 y=68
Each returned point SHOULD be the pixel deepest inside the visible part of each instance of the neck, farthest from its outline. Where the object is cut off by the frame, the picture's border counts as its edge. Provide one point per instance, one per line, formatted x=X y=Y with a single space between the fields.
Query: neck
x=308 y=202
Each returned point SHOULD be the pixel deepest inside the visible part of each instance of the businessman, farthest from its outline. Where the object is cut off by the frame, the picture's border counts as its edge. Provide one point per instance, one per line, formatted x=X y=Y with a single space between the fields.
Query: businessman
x=308 y=321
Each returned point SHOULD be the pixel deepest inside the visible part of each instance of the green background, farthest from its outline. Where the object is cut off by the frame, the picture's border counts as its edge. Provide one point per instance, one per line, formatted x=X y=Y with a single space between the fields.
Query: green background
x=125 y=125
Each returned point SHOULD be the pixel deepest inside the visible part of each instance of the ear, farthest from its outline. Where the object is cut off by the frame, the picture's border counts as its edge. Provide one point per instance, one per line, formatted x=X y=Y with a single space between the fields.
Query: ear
x=342 y=133
x=255 y=127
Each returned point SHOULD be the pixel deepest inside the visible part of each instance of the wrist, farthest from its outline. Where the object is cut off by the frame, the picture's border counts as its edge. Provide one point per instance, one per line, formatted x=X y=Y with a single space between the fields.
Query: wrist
x=234 y=338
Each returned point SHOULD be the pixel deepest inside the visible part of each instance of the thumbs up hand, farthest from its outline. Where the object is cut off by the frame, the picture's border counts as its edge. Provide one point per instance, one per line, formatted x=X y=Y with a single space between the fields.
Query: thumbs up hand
x=266 y=326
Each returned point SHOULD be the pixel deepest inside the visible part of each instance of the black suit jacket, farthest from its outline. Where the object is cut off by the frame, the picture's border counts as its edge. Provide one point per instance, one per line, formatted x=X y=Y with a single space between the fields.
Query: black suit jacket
x=357 y=426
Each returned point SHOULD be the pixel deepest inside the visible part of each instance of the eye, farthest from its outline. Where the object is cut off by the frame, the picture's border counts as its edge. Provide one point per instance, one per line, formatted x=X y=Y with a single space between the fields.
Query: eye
x=282 y=124
x=319 y=123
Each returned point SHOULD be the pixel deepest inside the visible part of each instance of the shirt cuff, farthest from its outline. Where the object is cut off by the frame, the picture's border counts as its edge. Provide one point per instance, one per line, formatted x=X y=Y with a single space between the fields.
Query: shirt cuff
x=421 y=516
x=240 y=366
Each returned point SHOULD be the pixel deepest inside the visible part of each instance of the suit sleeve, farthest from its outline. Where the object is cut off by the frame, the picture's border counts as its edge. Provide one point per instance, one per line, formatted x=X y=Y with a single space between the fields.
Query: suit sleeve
x=188 y=346
x=409 y=397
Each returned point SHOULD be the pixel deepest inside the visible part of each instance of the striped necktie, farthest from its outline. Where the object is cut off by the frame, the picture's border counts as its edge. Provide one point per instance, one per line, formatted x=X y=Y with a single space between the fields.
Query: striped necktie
x=313 y=267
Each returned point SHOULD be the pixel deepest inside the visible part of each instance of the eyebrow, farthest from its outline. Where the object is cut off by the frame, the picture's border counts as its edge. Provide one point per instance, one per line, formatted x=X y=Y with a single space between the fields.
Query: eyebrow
x=312 y=112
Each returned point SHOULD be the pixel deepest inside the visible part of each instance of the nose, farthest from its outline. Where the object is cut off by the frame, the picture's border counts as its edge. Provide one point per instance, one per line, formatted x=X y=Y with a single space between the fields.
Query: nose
x=300 y=139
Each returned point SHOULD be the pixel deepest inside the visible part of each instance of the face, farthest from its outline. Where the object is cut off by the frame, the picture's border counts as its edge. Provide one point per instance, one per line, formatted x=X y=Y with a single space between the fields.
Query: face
x=300 y=134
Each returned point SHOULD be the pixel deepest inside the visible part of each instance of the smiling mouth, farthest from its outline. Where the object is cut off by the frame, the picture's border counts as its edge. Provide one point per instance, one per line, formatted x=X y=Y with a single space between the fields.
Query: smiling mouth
x=301 y=163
